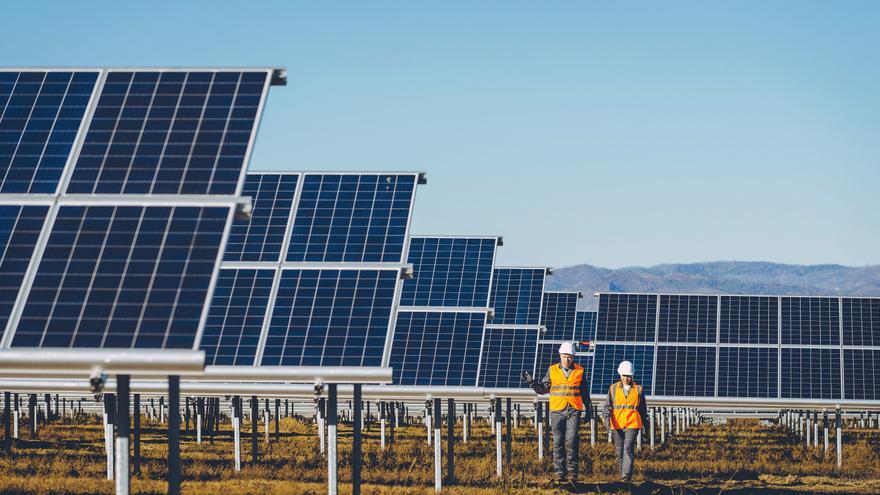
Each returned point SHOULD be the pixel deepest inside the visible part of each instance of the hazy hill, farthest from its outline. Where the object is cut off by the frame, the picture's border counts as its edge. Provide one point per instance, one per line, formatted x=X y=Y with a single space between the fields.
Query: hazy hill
x=720 y=277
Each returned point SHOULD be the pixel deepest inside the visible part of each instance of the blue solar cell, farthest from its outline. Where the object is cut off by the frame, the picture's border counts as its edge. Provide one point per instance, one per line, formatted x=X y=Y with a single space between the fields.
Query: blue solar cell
x=688 y=319
x=608 y=357
x=748 y=372
x=123 y=277
x=449 y=272
x=20 y=227
x=861 y=321
x=559 y=315
x=260 y=237
x=685 y=371
x=585 y=326
x=749 y=320
x=435 y=348
x=40 y=114
x=627 y=317
x=235 y=319
x=862 y=372
x=810 y=373
x=810 y=320
x=170 y=132
x=330 y=318
x=352 y=218
x=507 y=352
x=516 y=296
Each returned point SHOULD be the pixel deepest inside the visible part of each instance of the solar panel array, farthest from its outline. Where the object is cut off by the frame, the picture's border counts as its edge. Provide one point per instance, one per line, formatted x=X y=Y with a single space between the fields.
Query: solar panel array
x=511 y=340
x=109 y=237
x=560 y=322
x=764 y=347
x=443 y=311
x=313 y=276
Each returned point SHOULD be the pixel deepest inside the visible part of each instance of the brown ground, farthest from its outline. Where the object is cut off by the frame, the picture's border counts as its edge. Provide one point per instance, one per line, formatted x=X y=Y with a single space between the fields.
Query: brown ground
x=742 y=457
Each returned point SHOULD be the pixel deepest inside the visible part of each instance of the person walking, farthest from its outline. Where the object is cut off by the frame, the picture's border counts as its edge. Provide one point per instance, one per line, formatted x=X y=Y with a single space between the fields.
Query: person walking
x=625 y=415
x=569 y=392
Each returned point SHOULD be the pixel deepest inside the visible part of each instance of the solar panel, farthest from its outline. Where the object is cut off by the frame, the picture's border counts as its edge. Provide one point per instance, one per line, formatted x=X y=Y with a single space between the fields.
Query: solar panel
x=437 y=348
x=862 y=371
x=749 y=320
x=516 y=296
x=559 y=315
x=810 y=320
x=123 y=277
x=608 y=356
x=330 y=317
x=235 y=320
x=40 y=114
x=450 y=271
x=861 y=321
x=688 y=319
x=748 y=372
x=352 y=218
x=585 y=326
x=507 y=352
x=260 y=237
x=547 y=354
x=20 y=227
x=170 y=132
x=627 y=318
x=810 y=373
x=685 y=371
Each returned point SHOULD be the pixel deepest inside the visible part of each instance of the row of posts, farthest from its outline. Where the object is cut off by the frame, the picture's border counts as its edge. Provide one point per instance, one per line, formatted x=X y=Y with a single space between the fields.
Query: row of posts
x=809 y=426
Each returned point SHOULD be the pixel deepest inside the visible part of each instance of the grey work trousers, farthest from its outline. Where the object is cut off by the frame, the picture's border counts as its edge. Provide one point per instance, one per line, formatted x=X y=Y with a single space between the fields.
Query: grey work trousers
x=624 y=446
x=565 y=426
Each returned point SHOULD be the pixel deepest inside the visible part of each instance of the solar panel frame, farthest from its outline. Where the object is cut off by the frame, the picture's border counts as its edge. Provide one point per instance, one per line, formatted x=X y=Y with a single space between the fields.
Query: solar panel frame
x=505 y=354
x=687 y=318
x=585 y=326
x=266 y=205
x=642 y=310
x=860 y=321
x=559 y=315
x=508 y=290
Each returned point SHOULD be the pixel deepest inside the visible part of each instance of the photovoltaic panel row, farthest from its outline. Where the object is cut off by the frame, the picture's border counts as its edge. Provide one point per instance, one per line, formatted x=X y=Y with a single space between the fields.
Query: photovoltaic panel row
x=123 y=277
x=685 y=371
x=330 y=318
x=450 y=271
x=437 y=348
x=507 y=352
x=516 y=295
x=261 y=237
x=749 y=320
x=861 y=321
x=20 y=227
x=691 y=319
x=235 y=321
x=40 y=114
x=102 y=273
x=627 y=318
x=862 y=371
x=559 y=315
x=352 y=218
x=748 y=372
x=811 y=373
x=170 y=132
x=585 y=326
x=810 y=320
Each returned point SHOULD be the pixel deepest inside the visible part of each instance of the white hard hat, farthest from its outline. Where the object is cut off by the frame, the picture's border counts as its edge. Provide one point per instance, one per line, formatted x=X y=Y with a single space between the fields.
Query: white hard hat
x=625 y=368
x=566 y=348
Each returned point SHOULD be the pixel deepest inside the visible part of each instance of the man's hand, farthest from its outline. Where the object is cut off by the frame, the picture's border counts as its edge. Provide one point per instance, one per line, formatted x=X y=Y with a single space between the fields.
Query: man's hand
x=527 y=377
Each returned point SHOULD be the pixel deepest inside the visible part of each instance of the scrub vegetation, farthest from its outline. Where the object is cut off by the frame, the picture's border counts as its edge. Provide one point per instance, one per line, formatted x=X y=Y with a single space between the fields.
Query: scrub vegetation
x=742 y=456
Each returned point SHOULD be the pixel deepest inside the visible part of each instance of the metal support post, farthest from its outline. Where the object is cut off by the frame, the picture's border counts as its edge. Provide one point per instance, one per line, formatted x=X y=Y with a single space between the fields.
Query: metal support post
x=121 y=448
x=332 y=482
x=509 y=429
x=136 y=460
x=357 y=425
x=438 y=454
x=450 y=441
x=497 y=424
x=838 y=421
x=539 y=419
x=174 y=473
x=255 y=421
x=7 y=423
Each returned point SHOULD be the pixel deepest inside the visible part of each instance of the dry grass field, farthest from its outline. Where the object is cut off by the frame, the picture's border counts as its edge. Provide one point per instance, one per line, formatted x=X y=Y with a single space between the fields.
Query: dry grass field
x=740 y=457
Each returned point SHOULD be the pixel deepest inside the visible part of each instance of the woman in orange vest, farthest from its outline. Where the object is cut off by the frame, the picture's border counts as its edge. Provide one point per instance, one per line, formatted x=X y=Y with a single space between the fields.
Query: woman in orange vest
x=625 y=414
x=569 y=393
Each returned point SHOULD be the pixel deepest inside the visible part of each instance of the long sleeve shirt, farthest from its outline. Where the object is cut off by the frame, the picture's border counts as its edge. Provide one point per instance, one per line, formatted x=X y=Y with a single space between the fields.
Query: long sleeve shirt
x=608 y=409
x=543 y=387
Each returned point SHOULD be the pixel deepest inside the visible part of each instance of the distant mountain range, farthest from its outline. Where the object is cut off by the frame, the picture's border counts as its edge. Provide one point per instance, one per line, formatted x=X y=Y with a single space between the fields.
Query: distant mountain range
x=720 y=277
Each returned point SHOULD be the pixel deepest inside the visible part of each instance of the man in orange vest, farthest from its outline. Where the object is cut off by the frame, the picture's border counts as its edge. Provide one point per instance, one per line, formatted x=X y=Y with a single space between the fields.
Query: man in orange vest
x=569 y=397
x=625 y=414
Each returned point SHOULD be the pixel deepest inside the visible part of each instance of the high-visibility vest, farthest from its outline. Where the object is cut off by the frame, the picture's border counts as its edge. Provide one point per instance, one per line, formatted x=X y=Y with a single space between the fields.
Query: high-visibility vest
x=625 y=413
x=566 y=390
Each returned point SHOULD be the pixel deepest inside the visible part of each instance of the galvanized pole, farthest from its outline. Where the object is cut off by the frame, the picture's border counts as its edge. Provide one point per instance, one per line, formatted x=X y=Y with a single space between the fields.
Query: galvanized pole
x=332 y=482
x=174 y=473
x=438 y=455
x=355 y=441
x=497 y=424
x=255 y=421
x=839 y=423
x=539 y=420
x=450 y=442
x=121 y=449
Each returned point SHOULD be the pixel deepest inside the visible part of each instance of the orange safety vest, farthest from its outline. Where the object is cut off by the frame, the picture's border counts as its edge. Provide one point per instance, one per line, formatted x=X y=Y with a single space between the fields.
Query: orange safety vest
x=566 y=391
x=625 y=414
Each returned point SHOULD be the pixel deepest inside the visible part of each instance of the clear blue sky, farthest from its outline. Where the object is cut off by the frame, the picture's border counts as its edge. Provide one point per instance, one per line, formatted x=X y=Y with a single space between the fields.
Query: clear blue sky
x=621 y=135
